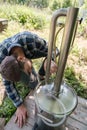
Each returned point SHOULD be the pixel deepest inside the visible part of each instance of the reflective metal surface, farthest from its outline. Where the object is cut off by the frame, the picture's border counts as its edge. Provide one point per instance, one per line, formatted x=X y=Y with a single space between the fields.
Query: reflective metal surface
x=58 y=13
x=47 y=101
x=65 y=103
x=69 y=31
x=49 y=108
x=68 y=97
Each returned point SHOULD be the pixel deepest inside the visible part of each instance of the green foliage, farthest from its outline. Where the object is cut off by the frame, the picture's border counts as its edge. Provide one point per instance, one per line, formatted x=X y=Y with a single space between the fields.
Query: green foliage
x=23 y=15
x=74 y=82
x=55 y=4
x=46 y=3
x=7 y=109
x=22 y=89
x=39 y=3
x=37 y=22
x=66 y=3
x=82 y=29
x=21 y=1
x=33 y=3
x=75 y=51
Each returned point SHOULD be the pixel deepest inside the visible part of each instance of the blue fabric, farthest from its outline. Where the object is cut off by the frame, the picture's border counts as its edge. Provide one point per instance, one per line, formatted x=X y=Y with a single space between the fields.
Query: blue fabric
x=33 y=47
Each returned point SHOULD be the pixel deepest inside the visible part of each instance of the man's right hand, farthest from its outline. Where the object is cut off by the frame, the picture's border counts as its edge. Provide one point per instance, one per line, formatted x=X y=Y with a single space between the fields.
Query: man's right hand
x=21 y=115
x=53 y=66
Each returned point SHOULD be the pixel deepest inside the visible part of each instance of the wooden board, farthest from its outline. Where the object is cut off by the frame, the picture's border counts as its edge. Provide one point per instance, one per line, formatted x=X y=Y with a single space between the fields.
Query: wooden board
x=3 y=24
x=76 y=121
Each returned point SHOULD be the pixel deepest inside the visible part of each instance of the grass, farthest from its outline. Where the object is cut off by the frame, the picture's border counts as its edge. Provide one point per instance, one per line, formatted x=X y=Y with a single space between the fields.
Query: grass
x=7 y=108
x=72 y=80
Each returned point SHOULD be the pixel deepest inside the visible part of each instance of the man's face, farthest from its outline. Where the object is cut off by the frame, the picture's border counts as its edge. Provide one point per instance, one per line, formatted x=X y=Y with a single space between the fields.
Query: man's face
x=25 y=65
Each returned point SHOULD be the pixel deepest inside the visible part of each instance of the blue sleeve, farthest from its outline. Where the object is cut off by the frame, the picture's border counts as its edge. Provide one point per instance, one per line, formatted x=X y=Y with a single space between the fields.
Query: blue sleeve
x=13 y=45
x=12 y=93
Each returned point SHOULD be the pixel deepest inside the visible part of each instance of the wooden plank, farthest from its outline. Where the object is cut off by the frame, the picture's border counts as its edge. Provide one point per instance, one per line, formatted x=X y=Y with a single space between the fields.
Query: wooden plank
x=75 y=125
x=83 y=102
x=2 y=123
x=12 y=126
x=76 y=121
x=80 y=115
x=68 y=128
x=3 y=24
x=30 y=104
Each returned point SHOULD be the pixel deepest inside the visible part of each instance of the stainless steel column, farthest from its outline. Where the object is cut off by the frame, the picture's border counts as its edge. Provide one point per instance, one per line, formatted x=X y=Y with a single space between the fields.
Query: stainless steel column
x=66 y=41
x=56 y=15
x=71 y=17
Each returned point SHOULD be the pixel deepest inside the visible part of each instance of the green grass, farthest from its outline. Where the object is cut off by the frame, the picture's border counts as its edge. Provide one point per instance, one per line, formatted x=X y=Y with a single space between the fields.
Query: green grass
x=7 y=108
x=72 y=81
x=26 y=16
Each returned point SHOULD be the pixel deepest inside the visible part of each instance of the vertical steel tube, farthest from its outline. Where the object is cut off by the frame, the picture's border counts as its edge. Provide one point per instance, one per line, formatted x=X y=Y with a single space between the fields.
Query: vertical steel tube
x=56 y=15
x=66 y=41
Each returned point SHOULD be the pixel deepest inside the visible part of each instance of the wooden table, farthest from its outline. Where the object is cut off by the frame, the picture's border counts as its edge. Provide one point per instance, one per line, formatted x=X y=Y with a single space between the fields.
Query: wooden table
x=76 y=121
x=3 y=24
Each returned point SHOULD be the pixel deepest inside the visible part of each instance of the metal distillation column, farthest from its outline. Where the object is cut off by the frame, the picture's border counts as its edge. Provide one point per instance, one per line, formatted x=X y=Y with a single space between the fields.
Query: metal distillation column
x=65 y=45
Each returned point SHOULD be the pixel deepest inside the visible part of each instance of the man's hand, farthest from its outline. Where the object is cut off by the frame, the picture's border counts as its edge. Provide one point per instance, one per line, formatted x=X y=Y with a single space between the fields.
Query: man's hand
x=21 y=115
x=53 y=66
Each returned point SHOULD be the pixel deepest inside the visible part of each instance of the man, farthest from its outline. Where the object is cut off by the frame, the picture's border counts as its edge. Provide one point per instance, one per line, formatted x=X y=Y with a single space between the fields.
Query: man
x=16 y=53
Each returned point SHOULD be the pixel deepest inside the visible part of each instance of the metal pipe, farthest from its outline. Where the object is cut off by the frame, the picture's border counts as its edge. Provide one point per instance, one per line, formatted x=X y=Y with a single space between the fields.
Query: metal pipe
x=74 y=33
x=66 y=41
x=56 y=15
x=54 y=47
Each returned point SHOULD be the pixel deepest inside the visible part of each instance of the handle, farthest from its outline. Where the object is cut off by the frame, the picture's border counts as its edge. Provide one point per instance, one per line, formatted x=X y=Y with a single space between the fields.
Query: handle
x=55 y=124
x=44 y=118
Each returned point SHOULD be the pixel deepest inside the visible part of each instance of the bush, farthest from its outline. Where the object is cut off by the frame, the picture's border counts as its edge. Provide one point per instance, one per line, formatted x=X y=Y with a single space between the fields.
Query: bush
x=66 y=3
x=39 y=3
x=37 y=22
x=55 y=5
x=72 y=81
x=23 y=15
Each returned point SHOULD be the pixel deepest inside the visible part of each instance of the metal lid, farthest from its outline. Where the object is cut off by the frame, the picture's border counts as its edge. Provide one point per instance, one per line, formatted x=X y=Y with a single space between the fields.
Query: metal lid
x=47 y=101
x=68 y=97
x=64 y=104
